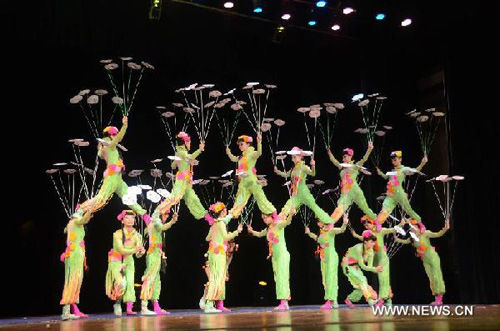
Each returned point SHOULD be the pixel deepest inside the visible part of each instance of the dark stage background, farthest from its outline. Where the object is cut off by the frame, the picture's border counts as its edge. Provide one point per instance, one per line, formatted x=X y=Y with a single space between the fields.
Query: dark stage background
x=52 y=51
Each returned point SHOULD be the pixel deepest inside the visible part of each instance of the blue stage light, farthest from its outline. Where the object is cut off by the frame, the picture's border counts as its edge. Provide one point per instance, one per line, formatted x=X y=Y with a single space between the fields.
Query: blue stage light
x=321 y=4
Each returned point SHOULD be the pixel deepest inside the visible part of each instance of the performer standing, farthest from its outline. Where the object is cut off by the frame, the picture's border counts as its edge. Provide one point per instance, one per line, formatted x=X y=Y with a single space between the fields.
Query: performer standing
x=217 y=238
x=247 y=177
x=121 y=268
x=358 y=258
x=151 y=281
x=429 y=256
x=74 y=264
x=329 y=260
x=278 y=252
x=395 y=191
x=113 y=181
x=349 y=188
x=381 y=259
x=300 y=193
x=183 y=185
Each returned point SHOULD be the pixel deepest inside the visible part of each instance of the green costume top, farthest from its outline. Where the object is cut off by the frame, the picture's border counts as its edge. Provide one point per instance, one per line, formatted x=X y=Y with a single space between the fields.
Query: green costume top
x=155 y=229
x=355 y=256
x=395 y=183
x=75 y=244
x=349 y=175
x=247 y=161
x=123 y=249
x=326 y=239
x=380 y=237
x=275 y=236
x=184 y=165
x=110 y=153
x=298 y=176
x=424 y=248
x=218 y=235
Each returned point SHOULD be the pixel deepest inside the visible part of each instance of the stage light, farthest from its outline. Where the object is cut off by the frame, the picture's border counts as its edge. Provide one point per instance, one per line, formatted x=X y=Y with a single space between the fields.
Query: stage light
x=312 y=23
x=320 y=4
x=380 y=17
x=155 y=9
x=228 y=4
x=279 y=33
x=357 y=97
x=262 y=283
x=286 y=17
x=406 y=22
x=347 y=10
x=336 y=27
x=257 y=6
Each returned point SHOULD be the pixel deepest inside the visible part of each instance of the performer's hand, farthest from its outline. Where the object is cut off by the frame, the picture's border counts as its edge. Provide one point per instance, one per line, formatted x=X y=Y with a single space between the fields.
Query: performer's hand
x=202 y=146
x=379 y=171
x=275 y=169
x=370 y=146
x=240 y=228
x=141 y=250
x=313 y=163
x=425 y=159
x=346 y=219
x=380 y=268
x=447 y=224
x=307 y=230
x=259 y=138
x=353 y=232
x=250 y=229
x=227 y=149
x=125 y=120
x=174 y=218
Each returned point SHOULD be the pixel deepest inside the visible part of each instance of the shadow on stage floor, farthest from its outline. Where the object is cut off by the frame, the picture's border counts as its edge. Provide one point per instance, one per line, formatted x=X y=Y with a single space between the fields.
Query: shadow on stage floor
x=299 y=317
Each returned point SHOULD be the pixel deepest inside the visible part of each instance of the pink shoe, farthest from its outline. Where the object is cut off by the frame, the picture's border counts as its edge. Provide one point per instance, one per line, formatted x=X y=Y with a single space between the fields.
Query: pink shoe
x=158 y=310
x=439 y=300
x=327 y=305
x=130 y=306
x=283 y=305
x=378 y=227
x=146 y=218
x=275 y=216
x=349 y=303
x=77 y=311
x=220 y=306
x=379 y=303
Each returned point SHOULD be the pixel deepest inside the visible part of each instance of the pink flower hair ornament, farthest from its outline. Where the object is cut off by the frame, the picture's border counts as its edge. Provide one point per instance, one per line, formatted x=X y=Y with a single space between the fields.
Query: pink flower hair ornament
x=348 y=151
x=124 y=213
x=367 y=234
x=111 y=130
x=184 y=136
x=246 y=139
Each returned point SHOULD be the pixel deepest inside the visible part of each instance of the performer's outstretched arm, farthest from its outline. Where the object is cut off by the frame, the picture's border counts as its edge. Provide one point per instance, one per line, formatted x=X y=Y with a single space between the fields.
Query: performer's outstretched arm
x=342 y=228
x=369 y=265
x=310 y=234
x=258 y=234
x=232 y=157
x=310 y=171
x=381 y=174
x=119 y=137
x=422 y=164
x=333 y=159
x=440 y=233
x=367 y=155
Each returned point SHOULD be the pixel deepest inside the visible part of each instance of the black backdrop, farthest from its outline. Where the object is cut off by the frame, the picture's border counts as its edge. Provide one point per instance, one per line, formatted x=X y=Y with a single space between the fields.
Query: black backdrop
x=53 y=51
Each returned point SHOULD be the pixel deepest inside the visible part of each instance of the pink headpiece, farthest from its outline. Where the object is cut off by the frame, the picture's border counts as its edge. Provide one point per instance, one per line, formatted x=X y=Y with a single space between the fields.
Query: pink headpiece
x=217 y=207
x=246 y=139
x=184 y=136
x=349 y=151
x=367 y=234
x=124 y=213
x=112 y=130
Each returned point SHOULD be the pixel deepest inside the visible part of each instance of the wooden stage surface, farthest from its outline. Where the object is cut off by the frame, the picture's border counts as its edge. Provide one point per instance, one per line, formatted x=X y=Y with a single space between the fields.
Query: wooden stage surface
x=299 y=317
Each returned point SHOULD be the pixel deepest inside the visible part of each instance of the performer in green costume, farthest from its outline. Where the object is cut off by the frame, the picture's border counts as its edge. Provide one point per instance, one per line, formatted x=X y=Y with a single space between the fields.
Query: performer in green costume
x=300 y=193
x=275 y=233
x=121 y=268
x=329 y=260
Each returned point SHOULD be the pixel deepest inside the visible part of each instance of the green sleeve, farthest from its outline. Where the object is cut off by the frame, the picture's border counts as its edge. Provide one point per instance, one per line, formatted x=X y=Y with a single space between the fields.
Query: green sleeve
x=357 y=236
x=139 y=243
x=308 y=170
x=420 y=166
x=402 y=241
x=283 y=174
x=431 y=234
x=231 y=156
x=260 y=234
x=195 y=154
x=364 y=159
x=84 y=219
x=381 y=174
x=258 y=153
x=119 y=137
x=386 y=231
x=334 y=160
x=117 y=240
x=313 y=236
x=285 y=222
x=369 y=265
x=341 y=229
x=226 y=235
x=166 y=226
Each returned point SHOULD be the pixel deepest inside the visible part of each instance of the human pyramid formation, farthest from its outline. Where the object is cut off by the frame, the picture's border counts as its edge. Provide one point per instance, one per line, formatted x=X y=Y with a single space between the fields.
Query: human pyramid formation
x=370 y=255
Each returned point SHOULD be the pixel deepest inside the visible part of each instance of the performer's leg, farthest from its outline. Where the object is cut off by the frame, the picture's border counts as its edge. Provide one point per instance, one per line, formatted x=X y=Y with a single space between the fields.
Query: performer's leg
x=175 y=197
x=193 y=203
x=129 y=295
x=387 y=207
x=265 y=206
x=311 y=203
x=405 y=204
x=360 y=200
x=342 y=204
x=109 y=185
x=241 y=199
x=384 y=277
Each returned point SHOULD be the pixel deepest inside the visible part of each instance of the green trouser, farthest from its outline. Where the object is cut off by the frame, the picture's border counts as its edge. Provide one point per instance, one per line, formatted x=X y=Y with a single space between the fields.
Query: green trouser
x=391 y=201
x=432 y=266
x=384 y=277
x=355 y=194
x=304 y=197
x=183 y=190
x=329 y=273
x=151 y=281
x=281 y=271
x=217 y=276
x=358 y=280
x=247 y=187
x=111 y=184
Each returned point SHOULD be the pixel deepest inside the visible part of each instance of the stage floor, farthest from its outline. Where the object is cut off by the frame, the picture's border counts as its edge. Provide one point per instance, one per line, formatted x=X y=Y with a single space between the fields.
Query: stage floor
x=299 y=317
